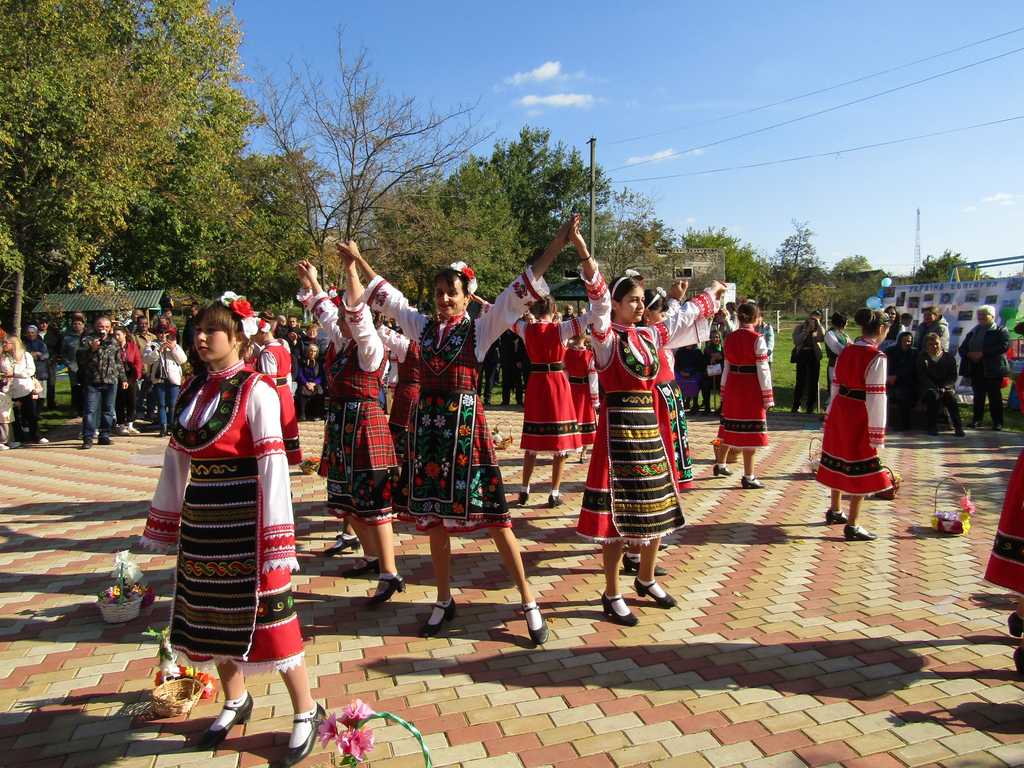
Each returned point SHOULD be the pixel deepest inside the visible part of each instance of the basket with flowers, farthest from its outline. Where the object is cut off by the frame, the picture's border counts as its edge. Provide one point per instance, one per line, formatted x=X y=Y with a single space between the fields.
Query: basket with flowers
x=310 y=465
x=354 y=741
x=953 y=519
x=501 y=441
x=814 y=454
x=890 y=493
x=124 y=599
x=176 y=687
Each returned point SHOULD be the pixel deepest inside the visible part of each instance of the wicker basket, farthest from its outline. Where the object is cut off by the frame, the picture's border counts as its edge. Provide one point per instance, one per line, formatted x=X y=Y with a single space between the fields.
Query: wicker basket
x=505 y=442
x=957 y=522
x=176 y=697
x=814 y=454
x=891 y=493
x=119 y=613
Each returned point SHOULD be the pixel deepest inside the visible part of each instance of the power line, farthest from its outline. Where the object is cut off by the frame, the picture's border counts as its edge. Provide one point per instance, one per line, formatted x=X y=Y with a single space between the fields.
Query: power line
x=824 y=111
x=819 y=91
x=818 y=155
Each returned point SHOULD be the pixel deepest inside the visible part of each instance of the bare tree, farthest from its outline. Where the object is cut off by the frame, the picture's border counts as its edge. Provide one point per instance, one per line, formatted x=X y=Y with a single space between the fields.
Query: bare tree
x=352 y=144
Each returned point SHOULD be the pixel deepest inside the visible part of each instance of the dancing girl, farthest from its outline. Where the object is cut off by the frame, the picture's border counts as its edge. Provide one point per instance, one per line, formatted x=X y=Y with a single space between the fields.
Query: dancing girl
x=274 y=358
x=579 y=367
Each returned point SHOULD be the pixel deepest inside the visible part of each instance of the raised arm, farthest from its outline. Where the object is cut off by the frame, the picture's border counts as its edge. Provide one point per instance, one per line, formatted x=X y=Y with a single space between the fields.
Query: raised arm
x=687 y=322
x=396 y=343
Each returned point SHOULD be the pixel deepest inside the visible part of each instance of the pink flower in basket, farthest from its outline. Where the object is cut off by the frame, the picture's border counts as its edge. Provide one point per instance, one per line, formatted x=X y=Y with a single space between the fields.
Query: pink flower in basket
x=358 y=744
x=356 y=712
x=967 y=505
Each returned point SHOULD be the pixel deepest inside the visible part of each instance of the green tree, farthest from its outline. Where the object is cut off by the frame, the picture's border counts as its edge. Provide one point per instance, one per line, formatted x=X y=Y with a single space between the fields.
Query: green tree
x=794 y=266
x=851 y=266
x=936 y=269
x=629 y=234
x=743 y=264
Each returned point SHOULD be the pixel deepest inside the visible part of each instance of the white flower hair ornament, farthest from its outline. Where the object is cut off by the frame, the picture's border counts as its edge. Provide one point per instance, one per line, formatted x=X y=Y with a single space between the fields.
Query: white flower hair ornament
x=242 y=309
x=468 y=272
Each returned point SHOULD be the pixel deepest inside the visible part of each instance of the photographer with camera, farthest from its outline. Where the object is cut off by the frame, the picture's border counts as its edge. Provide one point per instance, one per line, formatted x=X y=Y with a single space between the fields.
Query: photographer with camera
x=100 y=373
x=807 y=339
x=164 y=358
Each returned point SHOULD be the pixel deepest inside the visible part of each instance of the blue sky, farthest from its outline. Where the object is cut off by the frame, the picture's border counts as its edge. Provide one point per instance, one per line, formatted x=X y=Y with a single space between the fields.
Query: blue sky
x=618 y=70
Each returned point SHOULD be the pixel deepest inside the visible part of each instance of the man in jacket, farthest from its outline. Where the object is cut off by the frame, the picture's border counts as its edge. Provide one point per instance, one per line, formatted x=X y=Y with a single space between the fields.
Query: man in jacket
x=51 y=338
x=509 y=347
x=35 y=346
x=932 y=321
x=100 y=372
x=146 y=402
x=69 y=347
x=807 y=338
x=983 y=360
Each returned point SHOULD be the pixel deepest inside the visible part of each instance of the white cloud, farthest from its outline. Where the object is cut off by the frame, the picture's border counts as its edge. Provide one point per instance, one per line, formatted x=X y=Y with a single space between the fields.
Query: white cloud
x=1001 y=198
x=558 y=100
x=690 y=221
x=661 y=155
x=970 y=208
x=549 y=70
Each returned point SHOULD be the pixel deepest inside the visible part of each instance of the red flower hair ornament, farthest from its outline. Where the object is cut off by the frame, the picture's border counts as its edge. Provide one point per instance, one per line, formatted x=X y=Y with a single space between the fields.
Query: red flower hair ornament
x=467 y=272
x=242 y=309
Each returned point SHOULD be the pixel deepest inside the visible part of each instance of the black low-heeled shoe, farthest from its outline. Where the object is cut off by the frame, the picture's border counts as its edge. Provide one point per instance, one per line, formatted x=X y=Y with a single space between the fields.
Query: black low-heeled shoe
x=856 y=533
x=212 y=738
x=722 y=471
x=836 y=517
x=1018 y=659
x=629 y=620
x=749 y=484
x=522 y=498
x=631 y=567
x=428 y=629
x=296 y=755
x=554 y=501
x=368 y=566
x=539 y=636
x=397 y=584
x=1015 y=624
x=663 y=602
x=342 y=544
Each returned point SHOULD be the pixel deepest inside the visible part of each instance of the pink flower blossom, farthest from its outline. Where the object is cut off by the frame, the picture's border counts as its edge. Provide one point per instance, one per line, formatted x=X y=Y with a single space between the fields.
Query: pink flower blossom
x=355 y=712
x=967 y=505
x=329 y=731
x=357 y=744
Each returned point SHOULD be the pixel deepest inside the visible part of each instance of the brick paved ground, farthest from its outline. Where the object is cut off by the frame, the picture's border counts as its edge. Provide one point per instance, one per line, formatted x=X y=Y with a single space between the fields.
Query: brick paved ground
x=789 y=647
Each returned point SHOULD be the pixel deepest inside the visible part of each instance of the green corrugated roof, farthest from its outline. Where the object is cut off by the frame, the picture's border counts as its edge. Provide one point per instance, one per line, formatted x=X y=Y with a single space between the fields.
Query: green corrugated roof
x=570 y=290
x=88 y=302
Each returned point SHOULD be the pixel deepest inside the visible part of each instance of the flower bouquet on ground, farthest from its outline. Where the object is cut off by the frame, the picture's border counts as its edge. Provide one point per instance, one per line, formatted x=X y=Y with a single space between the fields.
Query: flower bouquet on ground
x=176 y=687
x=354 y=741
x=127 y=596
x=953 y=519
x=501 y=442
x=310 y=466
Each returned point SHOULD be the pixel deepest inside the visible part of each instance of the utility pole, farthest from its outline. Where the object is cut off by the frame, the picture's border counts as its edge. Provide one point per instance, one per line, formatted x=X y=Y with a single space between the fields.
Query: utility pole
x=593 y=192
x=917 y=246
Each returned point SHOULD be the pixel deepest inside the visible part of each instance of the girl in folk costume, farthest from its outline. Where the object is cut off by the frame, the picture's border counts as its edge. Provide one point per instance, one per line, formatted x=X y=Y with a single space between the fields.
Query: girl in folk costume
x=630 y=494
x=746 y=395
x=223 y=503
x=855 y=425
x=579 y=367
x=454 y=480
x=1006 y=563
x=358 y=457
x=549 y=418
x=668 y=401
x=273 y=357
x=407 y=393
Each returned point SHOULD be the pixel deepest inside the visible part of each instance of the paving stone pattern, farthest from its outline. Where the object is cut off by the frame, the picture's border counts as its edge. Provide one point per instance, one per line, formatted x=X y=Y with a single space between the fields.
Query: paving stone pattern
x=789 y=647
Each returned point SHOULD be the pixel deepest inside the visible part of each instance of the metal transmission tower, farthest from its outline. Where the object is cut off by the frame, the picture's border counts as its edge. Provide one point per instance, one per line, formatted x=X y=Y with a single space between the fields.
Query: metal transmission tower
x=917 y=244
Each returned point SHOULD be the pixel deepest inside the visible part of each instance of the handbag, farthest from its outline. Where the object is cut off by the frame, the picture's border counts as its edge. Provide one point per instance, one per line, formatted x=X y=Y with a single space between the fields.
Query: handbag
x=715 y=370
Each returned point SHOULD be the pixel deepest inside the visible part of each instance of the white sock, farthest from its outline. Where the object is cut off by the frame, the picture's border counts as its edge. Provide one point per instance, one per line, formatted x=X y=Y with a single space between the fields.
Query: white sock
x=654 y=588
x=533 y=618
x=722 y=466
x=301 y=731
x=227 y=716
x=750 y=478
x=437 y=615
x=554 y=493
x=526 y=488
x=131 y=425
x=619 y=605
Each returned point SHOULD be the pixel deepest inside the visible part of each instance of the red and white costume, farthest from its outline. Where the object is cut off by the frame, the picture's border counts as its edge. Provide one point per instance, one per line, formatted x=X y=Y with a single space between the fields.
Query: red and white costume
x=746 y=390
x=358 y=457
x=630 y=492
x=671 y=409
x=452 y=472
x=406 y=359
x=582 y=374
x=223 y=502
x=275 y=360
x=855 y=423
x=1006 y=563
x=549 y=418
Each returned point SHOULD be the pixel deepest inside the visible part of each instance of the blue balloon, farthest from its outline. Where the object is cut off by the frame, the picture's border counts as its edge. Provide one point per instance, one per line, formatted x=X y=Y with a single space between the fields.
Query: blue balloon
x=881 y=293
x=874 y=302
x=887 y=282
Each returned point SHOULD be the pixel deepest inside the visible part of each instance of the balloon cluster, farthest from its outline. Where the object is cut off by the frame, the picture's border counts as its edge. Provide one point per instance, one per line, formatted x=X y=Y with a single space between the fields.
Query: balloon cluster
x=875 y=302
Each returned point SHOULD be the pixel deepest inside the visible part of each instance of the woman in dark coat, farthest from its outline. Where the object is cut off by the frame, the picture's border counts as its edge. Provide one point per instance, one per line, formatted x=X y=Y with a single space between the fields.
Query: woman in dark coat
x=983 y=360
x=936 y=377
x=900 y=382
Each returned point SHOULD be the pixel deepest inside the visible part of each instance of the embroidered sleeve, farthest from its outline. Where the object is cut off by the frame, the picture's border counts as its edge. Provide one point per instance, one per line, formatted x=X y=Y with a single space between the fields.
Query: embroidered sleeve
x=164 y=520
x=573 y=327
x=592 y=377
x=687 y=323
x=266 y=362
x=833 y=343
x=277 y=525
x=381 y=296
x=599 y=316
x=874 y=386
x=507 y=308
x=764 y=372
x=368 y=342
x=326 y=314
x=396 y=343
